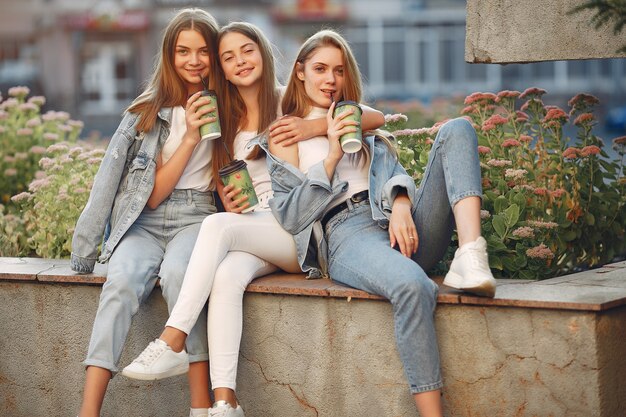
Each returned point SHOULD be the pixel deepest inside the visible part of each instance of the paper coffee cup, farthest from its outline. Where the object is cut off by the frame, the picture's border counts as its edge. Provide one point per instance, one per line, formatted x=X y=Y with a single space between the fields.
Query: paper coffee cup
x=210 y=130
x=236 y=174
x=353 y=141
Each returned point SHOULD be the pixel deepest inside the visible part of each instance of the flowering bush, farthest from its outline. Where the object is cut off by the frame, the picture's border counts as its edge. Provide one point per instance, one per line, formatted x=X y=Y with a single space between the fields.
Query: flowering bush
x=13 y=240
x=551 y=203
x=25 y=134
x=54 y=200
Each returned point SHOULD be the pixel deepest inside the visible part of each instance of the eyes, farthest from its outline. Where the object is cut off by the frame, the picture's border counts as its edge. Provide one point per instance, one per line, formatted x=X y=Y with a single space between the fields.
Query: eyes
x=322 y=69
x=185 y=51
x=231 y=57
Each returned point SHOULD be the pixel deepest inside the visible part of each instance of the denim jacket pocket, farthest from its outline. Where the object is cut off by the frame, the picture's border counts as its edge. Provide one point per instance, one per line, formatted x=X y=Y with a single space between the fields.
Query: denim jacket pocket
x=137 y=171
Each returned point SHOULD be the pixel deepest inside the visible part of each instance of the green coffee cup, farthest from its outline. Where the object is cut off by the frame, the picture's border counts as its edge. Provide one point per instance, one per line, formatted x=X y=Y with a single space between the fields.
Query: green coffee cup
x=236 y=174
x=210 y=130
x=353 y=141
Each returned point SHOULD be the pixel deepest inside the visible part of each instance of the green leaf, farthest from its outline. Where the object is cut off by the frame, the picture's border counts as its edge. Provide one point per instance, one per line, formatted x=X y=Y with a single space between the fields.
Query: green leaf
x=500 y=204
x=568 y=236
x=495 y=262
x=499 y=224
x=511 y=215
x=591 y=220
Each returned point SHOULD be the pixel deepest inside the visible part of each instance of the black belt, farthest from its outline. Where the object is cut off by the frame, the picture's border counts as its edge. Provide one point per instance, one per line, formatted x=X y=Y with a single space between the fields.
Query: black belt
x=356 y=198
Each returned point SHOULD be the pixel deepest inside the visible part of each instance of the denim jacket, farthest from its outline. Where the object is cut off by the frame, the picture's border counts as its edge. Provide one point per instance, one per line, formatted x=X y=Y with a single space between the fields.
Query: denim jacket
x=120 y=191
x=301 y=199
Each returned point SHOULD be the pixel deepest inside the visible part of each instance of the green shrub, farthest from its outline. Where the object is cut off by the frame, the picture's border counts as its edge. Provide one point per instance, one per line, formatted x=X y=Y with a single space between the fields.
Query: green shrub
x=551 y=204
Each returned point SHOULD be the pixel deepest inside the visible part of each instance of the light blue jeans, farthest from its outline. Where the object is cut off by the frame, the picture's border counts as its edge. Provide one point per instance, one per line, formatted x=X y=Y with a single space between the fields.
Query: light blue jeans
x=360 y=254
x=157 y=245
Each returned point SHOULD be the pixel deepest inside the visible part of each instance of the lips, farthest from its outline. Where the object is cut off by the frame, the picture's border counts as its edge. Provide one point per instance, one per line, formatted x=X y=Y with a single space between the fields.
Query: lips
x=244 y=72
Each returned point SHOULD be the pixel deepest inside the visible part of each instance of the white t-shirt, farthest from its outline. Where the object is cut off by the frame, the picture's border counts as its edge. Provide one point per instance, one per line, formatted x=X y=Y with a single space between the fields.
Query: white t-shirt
x=197 y=174
x=257 y=169
x=312 y=151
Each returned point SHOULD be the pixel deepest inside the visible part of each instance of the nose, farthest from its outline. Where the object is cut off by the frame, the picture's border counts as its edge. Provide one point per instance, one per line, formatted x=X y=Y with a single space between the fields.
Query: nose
x=194 y=59
x=241 y=60
x=330 y=78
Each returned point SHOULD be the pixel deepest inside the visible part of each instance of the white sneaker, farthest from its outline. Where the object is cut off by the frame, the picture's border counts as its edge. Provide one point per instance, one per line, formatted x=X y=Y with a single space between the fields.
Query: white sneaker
x=470 y=270
x=157 y=361
x=204 y=414
x=224 y=409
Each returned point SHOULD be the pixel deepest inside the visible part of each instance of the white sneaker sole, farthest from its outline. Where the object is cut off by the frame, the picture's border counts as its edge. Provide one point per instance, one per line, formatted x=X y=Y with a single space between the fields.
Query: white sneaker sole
x=484 y=289
x=179 y=370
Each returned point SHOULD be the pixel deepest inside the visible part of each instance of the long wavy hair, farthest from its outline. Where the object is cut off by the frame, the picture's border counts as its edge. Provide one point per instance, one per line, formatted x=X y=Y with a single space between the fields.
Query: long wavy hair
x=232 y=121
x=166 y=88
x=296 y=102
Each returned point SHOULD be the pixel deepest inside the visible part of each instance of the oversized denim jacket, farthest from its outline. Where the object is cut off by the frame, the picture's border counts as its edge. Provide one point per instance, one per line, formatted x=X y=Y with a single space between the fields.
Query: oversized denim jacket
x=301 y=199
x=120 y=191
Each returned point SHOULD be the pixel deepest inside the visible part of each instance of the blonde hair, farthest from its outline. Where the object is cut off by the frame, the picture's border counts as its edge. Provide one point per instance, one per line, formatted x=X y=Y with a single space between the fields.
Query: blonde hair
x=296 y=102
x=166 y=88
x=230 y=99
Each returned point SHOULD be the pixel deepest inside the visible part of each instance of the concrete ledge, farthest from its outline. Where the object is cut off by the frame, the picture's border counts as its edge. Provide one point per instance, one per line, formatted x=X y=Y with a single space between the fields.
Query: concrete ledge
x=315 y=348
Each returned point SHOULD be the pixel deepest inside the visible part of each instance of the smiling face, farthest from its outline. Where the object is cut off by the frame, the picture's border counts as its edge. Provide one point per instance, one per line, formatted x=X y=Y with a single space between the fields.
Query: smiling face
x=241 y=59
x=191 y=59
x=323 y=76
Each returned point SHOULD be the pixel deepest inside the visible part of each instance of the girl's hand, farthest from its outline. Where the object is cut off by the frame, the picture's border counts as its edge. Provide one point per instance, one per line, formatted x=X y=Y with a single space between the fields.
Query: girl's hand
x=289 y=130
x=337 y=127
x=193 y=115
x=231 y=203
x=402 y=229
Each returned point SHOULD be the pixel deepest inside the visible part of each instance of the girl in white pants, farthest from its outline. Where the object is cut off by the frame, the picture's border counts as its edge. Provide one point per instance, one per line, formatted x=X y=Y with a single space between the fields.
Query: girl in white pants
x=232 y=248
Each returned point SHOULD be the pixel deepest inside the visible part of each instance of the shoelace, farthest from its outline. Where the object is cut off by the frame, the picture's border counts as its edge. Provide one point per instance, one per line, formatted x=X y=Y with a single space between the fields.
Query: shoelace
x=220 y=410
x=149 y=354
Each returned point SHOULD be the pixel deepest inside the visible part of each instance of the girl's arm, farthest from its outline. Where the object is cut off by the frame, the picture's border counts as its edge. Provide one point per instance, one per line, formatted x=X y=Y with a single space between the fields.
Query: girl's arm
x=290 y=129
x=168 y=174
x=301 y=199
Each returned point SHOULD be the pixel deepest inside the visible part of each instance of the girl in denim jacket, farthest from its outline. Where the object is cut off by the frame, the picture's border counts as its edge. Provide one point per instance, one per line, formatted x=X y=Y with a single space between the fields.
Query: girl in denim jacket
x=153 y=190
x=234 y=248
x=348 y=213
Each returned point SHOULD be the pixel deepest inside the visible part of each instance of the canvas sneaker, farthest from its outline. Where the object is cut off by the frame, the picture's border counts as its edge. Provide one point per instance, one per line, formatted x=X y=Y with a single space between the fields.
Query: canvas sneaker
x=204 y=414
x=470 y=270
x=224 y=409
x=157 y=361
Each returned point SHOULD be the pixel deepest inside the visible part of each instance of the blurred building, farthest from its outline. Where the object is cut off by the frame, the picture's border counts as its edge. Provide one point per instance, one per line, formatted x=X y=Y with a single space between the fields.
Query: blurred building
x=91 y=57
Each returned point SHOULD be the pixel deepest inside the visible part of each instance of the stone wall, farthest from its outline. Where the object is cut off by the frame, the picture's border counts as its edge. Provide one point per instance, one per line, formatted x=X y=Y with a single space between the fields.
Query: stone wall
x=508 y=31
x=314 y=348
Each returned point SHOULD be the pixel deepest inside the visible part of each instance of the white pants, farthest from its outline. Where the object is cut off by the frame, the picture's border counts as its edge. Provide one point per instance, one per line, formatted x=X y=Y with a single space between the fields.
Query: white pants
x=231 y=250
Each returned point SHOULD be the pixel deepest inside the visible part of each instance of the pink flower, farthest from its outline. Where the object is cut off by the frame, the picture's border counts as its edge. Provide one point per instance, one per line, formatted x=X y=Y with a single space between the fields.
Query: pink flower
x=555 y=114
x=21 y=197
x=532 y=91
x=484 y=214
x=38 y=150
x=19 y=91
x=571 y=153
x=79 y=124
x=521 y=116
x=10 y=172
x=525 y=138
x=583 y=118
x=540 y=252
x=58 y=147
x=480 y=98
x=38 y=100
x=34 y=122
x=515 y=174
x=583 y=100
x=37 y=184
x=541 y=191
x=40 y=174
x=507 y=94
x=484 y=150
x=49 y=136
x=510 y=142
x=557 y=193
x=524 y=232
x=499 y=163
x=590 y=150
x=543 y=225
x=25 y=131
x=395 y=118
x=468 y=110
